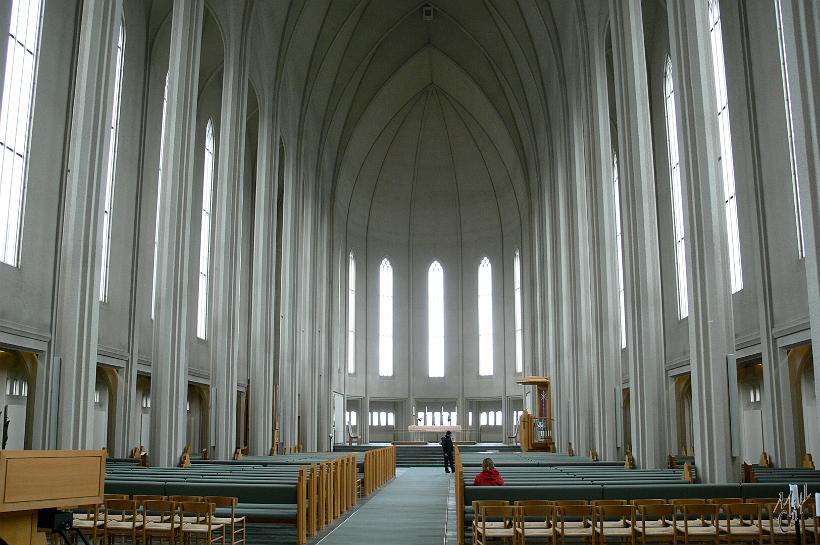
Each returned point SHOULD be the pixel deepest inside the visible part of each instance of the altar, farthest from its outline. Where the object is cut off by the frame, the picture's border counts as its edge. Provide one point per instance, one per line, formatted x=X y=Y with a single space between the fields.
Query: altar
x=418 y=432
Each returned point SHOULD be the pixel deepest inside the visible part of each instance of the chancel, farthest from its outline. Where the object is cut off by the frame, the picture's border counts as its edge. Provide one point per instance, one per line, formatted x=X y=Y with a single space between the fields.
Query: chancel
x=279 y=271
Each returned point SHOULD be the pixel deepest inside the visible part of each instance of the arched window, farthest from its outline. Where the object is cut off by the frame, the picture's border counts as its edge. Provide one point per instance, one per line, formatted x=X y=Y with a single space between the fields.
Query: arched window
x=784 y=70
x=726 y=159
x=205 y=233
x=519 y=330
x=619 y=244
x=159 y=197
x=108 y=203
x=675 y=184
x=351 y=313
x=435 y=319
x=385 y=318
x=15 y=121
x=485 y=318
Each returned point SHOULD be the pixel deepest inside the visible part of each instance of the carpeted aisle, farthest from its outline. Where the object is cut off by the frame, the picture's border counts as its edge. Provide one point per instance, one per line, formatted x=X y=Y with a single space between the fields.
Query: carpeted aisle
x=411 y=510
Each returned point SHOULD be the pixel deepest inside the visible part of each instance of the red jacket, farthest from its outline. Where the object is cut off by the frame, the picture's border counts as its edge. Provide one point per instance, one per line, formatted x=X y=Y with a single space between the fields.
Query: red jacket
x=489 y=477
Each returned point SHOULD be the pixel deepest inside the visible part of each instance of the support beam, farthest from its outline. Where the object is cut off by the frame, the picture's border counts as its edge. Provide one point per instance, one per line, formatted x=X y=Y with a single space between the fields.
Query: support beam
x=642 y=286
x=76 y=320
x=226 y=248
x=169 y=369
x=711 y=325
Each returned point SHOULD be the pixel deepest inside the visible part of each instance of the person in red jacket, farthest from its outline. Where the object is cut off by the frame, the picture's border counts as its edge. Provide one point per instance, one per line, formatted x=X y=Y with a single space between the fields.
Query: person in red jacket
x=489 y=476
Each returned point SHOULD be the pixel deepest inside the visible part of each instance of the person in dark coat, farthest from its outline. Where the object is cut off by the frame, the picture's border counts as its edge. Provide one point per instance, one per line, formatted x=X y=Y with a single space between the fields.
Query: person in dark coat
x=489 y=476
x=449 y=452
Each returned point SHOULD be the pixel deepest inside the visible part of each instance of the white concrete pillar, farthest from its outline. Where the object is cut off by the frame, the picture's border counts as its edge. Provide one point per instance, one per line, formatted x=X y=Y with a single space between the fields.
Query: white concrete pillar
x=169 y=369
x=80 y=243
x=227 y=246
x=601 y=217
x=644 y=316
x=263 y=313
x=711 y=325
x=801 y=26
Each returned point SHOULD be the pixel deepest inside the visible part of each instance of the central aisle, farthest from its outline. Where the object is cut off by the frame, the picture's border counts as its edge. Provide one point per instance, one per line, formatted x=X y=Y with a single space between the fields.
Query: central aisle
x=411 y=510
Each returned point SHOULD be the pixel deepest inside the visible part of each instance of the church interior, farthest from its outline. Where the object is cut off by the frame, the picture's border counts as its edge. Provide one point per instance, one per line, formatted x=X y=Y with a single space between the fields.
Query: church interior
x=293 y=271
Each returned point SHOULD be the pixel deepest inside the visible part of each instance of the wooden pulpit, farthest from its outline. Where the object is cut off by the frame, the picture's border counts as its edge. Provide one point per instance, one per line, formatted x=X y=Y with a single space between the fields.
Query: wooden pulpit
x=31 y=480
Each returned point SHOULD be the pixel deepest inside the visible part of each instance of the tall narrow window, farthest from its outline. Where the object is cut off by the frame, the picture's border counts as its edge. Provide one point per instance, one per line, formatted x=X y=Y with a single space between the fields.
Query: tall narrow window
x=159 y=195
x=205 y=233
x=519 y=330
x=385 y=318
x=675 y=184
x=108 y=203
x=15 y=121
x=784 y=69
x=485 y=318
x=619 y=244
x=435 y=319
x=351 y=313
x=726 y=159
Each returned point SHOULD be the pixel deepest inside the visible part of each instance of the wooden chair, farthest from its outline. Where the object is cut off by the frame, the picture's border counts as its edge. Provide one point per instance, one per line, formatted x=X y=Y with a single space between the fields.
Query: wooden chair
x=778 y=533
x=123 y=520
x=534 y=521
x=699 y=523
x=142 y=498
x=90 y=520
x=351 y=437
x=479 y=504
x=234 y=525
x=811 y=522
x=616 y=521
x=198 y=525
x=575 y=521
x=655 y=523
x=742 y=523
x=181 y=499
x=165 y=524
x=599 y=503
x=494 y=522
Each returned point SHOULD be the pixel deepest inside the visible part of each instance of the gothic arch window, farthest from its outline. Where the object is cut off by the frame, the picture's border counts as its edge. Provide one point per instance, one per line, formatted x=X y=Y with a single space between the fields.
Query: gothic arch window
x=784 y=69
x=675 y=184
x=205 y=233
x=15 y=121
x=619 y=244
x=385 y=318
x=108 y=202
x=519 y=330
x=485 y=317
x=351 y=313
x=726 y=160
x=435 y=319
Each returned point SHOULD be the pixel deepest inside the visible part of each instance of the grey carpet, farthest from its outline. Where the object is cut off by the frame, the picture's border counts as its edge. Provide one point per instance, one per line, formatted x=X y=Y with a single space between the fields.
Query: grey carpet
x=411 y=510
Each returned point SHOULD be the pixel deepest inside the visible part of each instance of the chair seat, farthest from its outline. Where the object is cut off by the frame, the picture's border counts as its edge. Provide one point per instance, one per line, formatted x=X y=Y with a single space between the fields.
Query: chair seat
x=122 y=525
x=227 y=520
x=200 y=528
x=652 y=524
x=577 y=531
x=154 y=518
x=614 y=531
x=161 y=526
x=702 y=530
x=534 y=532
x=656 y=531
x=86 y=524
x=535 y=524
x=497 y=532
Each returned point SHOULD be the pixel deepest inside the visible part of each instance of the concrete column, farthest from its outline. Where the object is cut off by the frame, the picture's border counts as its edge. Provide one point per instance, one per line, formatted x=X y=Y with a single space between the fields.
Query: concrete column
x=169 y=370
x=76 y=315
x=226 y=247
x=801 y=25
x=263 y=313
x=644 y=316
x=606 y=365
x=711 y=326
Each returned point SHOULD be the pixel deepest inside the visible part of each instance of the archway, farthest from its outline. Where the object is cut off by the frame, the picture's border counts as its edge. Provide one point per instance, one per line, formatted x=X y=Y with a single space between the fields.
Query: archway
x=17 y=377
x=683 y=398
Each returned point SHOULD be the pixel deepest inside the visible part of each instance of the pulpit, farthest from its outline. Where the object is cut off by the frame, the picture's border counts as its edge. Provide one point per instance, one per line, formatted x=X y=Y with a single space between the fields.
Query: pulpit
x=536 y=429
x=34 y=480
